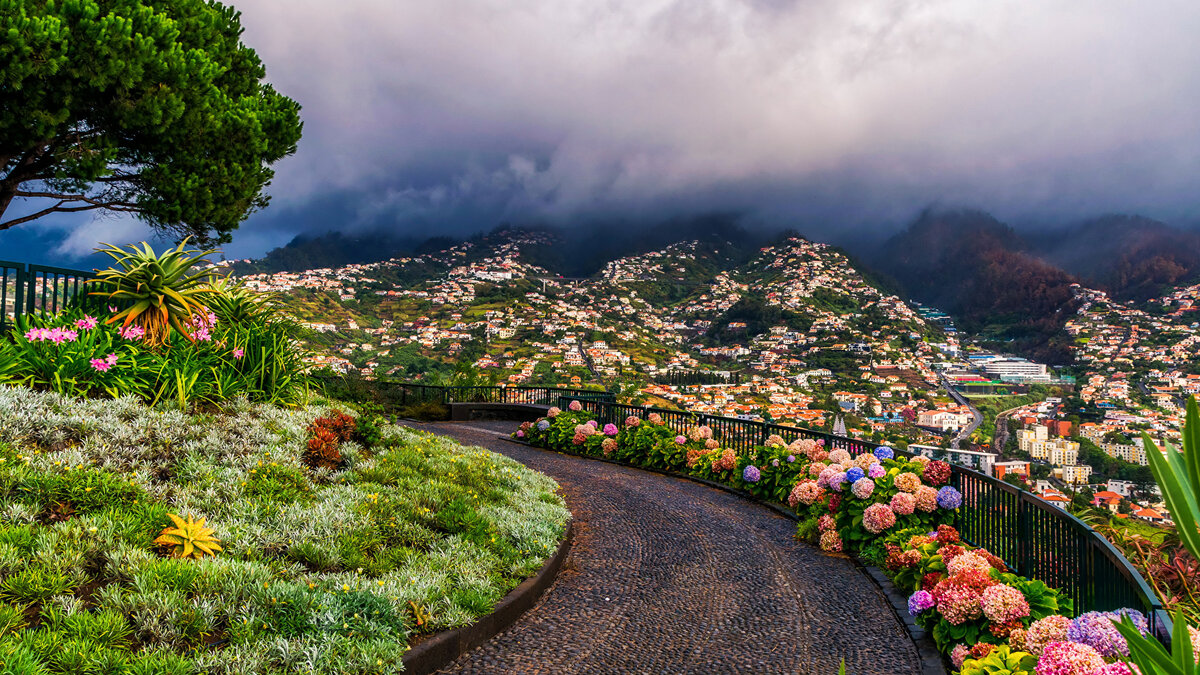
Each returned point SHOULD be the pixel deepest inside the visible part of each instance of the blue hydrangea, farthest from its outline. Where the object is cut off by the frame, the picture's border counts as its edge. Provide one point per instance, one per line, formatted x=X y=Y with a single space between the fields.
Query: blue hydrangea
x=854 y=474
x=543 y=425
x=751 y=474
x=949 y=498
x=884 y=452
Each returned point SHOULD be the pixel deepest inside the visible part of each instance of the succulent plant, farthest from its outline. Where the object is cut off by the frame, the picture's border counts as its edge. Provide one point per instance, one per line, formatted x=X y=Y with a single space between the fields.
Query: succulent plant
x=190 y=539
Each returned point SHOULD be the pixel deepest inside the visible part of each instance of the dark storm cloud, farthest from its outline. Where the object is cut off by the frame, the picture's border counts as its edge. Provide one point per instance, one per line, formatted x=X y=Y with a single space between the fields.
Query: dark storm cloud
x=459 y=114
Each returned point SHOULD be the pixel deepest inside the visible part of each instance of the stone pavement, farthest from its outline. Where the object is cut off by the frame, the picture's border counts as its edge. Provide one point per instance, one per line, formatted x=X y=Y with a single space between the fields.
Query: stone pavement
x=670 y=576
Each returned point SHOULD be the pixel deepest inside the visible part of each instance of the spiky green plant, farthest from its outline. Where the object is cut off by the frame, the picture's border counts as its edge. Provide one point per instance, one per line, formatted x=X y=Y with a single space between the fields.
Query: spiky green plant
x=156 y=292
x=189 y=539
x=1178 y=476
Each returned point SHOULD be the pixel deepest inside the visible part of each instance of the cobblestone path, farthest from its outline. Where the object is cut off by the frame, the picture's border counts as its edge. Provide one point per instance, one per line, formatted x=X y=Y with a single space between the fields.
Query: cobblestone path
x=670 y=576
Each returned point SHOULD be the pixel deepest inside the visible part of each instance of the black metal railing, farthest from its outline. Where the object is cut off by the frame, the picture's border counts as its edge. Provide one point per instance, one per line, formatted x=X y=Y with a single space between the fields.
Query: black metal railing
x=1036 y=539
x=27 y=289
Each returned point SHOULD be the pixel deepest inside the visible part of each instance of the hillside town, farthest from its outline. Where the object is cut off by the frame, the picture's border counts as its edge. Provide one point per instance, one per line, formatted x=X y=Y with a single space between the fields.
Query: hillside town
x=794 y=335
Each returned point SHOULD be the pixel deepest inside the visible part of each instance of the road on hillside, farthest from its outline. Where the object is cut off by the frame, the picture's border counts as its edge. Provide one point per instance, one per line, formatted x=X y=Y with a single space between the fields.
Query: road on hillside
x=977 y=417
x=670 y=576
x=1000 y=438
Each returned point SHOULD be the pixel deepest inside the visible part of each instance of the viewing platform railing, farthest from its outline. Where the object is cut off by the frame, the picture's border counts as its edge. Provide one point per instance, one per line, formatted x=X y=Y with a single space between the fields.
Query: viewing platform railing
x=1035 y=538
x=26 y=288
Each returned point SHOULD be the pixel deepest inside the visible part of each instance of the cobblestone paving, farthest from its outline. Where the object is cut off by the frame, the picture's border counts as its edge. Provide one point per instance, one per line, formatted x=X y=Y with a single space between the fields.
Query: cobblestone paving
x=670 y=576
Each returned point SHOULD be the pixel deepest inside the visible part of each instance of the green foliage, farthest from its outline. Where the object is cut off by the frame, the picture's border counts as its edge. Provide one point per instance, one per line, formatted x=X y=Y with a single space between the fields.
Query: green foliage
x=152 y=106
x=1001 y=661
x=255 y=358
x=419 y=535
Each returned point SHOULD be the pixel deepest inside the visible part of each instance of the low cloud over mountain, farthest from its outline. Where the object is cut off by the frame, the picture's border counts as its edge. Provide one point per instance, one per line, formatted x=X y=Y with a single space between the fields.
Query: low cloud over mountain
x=825 y=115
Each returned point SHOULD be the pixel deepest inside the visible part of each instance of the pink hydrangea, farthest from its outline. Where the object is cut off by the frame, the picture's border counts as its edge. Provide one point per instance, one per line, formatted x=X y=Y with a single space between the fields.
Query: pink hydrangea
x=632 y=421
x=831 y=541
x=816 y=468
x=575 y=406
x=825 y=523
x=808 y=492
x=959 y=654
x=863 y=487
x=1002 y=603
x=608 y=445
x=876 y=471
x=878 y=517
x=578 y=438
x=776 y=441
x=610 y=430
x=1069 y=658
x=903 y=503
x=1117 y=668
x=1042 y=632
x=908 y=482
x=553 y=412
x=680 y=440
x=966 y=561
x=926 y=499
x=838 y=456
x=712 y=444
x=654 y=418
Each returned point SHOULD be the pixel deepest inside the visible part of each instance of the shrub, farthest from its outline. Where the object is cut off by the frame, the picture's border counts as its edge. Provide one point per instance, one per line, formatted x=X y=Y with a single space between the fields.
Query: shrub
x=156 y=292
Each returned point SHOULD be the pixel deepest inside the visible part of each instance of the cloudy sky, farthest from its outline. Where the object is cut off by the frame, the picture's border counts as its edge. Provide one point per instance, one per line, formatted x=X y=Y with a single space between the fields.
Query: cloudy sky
x=831 y=116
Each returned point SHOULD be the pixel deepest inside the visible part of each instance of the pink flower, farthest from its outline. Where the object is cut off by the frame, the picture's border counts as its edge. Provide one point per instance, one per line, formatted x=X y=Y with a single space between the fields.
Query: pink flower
x=111 y=359
x=61 y=335
x=903 y=503
x=958 y=655
x=238 y=353
x=575 y=406
x=681 y=440
x=86 y=323
x=1069 y=658
x=1002 y=603
x=111 y=309
x=101 y=365
x=926 y=499
x=1044 y=631
x=831 y=541
x=878 y=517
x=132 y=332
x=202 y=335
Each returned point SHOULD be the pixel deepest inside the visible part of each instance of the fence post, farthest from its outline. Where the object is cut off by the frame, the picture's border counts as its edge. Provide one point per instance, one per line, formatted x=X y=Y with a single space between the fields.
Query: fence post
x=1023 y=535
x=19 y=306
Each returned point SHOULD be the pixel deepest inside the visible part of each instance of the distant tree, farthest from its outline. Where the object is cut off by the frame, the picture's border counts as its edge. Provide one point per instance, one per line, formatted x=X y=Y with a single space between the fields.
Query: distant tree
x=152 y=107
x=1014 y=479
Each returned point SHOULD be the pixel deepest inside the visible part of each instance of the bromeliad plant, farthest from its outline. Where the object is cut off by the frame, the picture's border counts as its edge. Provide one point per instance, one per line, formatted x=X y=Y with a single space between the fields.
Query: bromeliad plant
x=155 y=292
x=188 y=539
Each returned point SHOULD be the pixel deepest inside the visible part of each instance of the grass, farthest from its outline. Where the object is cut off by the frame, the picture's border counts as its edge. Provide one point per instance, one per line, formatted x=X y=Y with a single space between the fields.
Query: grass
x=323 y=571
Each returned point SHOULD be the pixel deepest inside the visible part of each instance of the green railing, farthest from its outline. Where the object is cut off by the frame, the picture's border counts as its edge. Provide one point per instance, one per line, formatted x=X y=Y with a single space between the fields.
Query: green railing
x=1035 y=538
x=27 y=289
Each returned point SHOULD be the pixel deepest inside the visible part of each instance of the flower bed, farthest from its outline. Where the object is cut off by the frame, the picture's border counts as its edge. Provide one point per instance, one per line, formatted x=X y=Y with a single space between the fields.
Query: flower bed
x=341 y=537
x=887 y=510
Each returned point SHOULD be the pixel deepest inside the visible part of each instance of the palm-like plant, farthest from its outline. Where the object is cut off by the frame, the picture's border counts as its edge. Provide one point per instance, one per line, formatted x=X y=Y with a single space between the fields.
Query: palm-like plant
x=1178 y=476
x=155 y=292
